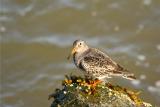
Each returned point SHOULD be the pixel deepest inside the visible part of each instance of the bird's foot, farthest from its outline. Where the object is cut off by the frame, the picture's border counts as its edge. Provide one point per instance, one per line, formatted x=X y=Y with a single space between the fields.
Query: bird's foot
x=92 y=86
x=94 y=83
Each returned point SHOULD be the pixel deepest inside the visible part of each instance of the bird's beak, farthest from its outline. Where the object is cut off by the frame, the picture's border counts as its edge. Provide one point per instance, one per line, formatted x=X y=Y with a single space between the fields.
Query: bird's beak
x=72 y=52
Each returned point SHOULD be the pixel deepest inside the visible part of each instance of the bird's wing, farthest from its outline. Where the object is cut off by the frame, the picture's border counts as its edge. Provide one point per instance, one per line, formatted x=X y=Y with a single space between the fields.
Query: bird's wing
x=96 y=60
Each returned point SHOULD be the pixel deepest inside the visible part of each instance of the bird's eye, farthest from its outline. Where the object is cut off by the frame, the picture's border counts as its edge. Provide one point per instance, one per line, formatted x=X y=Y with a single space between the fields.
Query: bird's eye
x=80 y=43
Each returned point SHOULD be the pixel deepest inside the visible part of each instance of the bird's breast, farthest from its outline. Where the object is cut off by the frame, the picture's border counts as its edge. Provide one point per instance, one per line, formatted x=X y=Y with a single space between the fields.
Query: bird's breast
x=77 y=60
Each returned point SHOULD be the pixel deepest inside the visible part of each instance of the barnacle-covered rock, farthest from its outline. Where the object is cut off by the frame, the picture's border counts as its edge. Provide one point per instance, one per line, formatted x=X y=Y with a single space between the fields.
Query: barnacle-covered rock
x=79 y=92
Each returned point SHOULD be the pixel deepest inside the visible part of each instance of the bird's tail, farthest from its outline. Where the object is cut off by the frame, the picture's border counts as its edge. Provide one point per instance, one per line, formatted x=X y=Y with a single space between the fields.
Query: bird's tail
x=129 y=76
x=125 y=74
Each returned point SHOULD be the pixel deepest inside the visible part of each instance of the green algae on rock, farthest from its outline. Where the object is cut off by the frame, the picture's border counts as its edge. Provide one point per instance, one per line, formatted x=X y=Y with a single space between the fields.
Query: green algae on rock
x=78 y=92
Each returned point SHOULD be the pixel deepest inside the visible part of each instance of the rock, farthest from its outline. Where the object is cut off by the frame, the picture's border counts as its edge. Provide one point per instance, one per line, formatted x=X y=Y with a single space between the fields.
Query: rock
x=81 y=92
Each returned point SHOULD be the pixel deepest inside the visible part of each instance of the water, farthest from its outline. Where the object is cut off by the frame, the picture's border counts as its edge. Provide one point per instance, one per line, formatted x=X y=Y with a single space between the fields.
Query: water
x=36 y=37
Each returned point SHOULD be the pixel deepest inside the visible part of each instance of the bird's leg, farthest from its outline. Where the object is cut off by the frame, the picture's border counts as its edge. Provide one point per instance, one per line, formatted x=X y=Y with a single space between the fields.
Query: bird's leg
x=94 y=83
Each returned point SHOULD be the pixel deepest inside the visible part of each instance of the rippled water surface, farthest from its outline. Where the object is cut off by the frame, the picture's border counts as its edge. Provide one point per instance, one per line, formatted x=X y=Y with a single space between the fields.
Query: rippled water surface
x=36 y=37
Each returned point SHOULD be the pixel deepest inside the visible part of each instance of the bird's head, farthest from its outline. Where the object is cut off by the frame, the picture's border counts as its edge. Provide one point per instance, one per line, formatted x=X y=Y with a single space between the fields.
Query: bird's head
x=79 y=46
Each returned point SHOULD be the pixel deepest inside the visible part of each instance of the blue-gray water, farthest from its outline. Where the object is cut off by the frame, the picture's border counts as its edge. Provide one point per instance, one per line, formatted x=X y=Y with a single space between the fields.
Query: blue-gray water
x=36 y=37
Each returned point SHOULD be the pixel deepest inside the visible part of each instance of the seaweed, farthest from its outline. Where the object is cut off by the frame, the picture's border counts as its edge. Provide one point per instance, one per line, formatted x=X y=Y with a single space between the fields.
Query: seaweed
x=79 y=91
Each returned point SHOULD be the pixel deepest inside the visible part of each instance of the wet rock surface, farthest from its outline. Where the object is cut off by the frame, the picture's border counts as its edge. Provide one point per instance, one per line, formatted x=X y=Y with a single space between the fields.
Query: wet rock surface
x=81 y=92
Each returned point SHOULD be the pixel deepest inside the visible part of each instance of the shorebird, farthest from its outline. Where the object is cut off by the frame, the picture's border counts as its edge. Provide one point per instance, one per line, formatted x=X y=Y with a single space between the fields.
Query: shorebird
x=96 y=64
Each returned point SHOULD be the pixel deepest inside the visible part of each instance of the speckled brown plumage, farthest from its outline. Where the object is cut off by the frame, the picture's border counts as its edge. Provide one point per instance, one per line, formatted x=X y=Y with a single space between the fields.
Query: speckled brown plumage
x=96 y=64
